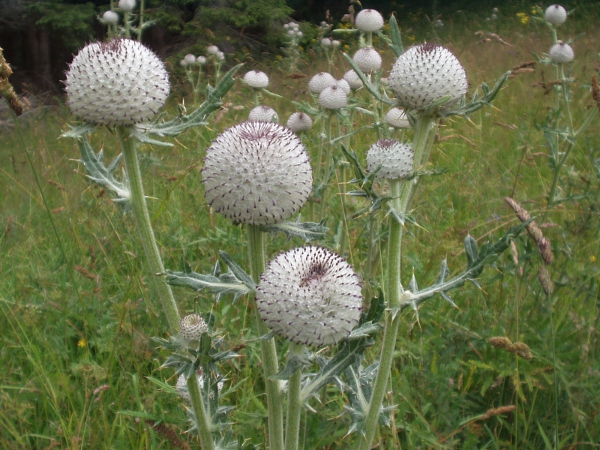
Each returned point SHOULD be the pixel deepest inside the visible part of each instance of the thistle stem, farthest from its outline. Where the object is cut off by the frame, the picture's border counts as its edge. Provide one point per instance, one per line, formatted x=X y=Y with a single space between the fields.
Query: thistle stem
x=256 y=255
x=294 y=407
x=142 y=217
x=202 y=420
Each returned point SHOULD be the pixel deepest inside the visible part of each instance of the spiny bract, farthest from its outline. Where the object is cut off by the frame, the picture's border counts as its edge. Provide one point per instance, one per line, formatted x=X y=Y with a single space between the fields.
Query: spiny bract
x=396 y=159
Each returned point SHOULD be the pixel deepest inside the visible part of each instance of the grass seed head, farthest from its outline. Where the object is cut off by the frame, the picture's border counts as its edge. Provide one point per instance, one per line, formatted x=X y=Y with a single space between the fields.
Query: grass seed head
x=555 y=14
x=396 y=159
x=310 y=295
x=368 y=20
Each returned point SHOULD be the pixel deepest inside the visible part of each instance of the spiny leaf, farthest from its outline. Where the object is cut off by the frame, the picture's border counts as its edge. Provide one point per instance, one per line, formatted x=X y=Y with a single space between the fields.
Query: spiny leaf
x=307 y=231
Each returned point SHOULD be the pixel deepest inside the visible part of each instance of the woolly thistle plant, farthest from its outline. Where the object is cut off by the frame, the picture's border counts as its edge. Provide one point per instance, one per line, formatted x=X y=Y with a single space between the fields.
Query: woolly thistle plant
x=396 y=117
x=368 y=59
x=393 y=159
x=299 y=122
x=320 y=81
x=263 y=113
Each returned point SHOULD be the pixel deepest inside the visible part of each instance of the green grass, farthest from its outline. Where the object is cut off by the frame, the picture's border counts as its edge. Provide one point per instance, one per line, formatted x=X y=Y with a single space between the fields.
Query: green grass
x=77 y=312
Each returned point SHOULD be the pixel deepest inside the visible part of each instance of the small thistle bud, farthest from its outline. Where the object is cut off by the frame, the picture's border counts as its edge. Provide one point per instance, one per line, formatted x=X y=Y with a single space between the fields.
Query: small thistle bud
x=555 y=14
x=335 y=43
x=333 y=97
x=310 y=295
x=110 y=17
x=299 y=121
x=299 y=33
x=189 y=58
x=201 y=60
x=257 y=173
x=120 y=82
x=367 y=59
x=183 y=63
x=353 y=79
x=256 y=79
x=192 y=327
x=425 y=73
x=396 y=117
x=343 y=85
x=326 y=42
x=320 y=81
x=561 y=53
x=212 y=50
x=291 y=32
x=263 y=114
x=220 y=56
x=368 y=20
x=396 y=159
x=127 y=5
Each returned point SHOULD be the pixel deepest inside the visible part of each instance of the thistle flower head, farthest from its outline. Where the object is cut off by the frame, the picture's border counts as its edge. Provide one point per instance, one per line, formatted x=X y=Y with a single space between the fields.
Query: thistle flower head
x=192 y=327
x=256 y=79
x=555 y=14
x=561 y=53
x=333 y=97
x=310 y=295
x=201 y=60
x=396 y=117
x=425 y=73
x=335 y=43
x=326 y=42
x=263 y=113
x=189 y=58
x=126 y=5
x=396 y=159
x=212 y=49
x=110 y=17
x=220 y=56
x=320 y=81
x=299 y=121
x=120 y=82
x=353 y=79
x=367 y=59
x=257 y=173
x=343 y=85
x=368 y=20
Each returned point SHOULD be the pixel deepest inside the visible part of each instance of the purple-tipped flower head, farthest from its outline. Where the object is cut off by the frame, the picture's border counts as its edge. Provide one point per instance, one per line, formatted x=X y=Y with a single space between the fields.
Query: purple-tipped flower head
x=257 y=173
x=120 y=82
x=333 y=97
x=396 y=159
x=555 y=14
x=367 y=59
x=256 y=79
x=310 y=295
x=425 y=73
x=263 y=113
x=561 y=53
x=299 y=121
x=189 y=58
x=368 y=20
x=320 y=81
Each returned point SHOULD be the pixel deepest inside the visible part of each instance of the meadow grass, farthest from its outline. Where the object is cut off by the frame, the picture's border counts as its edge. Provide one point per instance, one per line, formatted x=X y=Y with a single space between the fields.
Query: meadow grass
x=77 y=312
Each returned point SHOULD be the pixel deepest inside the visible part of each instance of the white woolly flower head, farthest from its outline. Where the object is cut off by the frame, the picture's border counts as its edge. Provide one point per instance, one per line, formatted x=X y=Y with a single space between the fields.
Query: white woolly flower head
x=201 y=60
x=353 y=79
x=192 y=327
x=263 y=113
x=333 y=97
x=555 y=14
x=335 y=43
x=425 y=73
x=126 y=5
x=561 y=53
x=367 y=59
x=368 y=20
x=120 y=82
x=257 y=173
x=396 y=159
x=326 y=42
x=220 y=56
x=343 y=85
x=320 y=81
x=256 y=79
x=212 y=49
x=396 y=117
x=189 y=58
x=299 y=121
x=110 y=17
x=310 y=295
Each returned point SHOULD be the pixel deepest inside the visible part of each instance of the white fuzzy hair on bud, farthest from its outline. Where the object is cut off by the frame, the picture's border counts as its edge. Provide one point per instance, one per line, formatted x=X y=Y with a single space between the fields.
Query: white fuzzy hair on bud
x=320 y=81
x=126 y=5
x=263 y=113
x=396 y=159
x=555 y=14
x=110 y=17
x=353 y=79
x=257 y=173
x=561 y=53
x=425 y=73
x=189 y=58
x=120 y=82
x=367 y=59
x=396 y=117
x=299 y=121
x=310 y=295
x=333 y=97
x=192 y=327
x=368 y=20
x=212 y=49
x=256 y=79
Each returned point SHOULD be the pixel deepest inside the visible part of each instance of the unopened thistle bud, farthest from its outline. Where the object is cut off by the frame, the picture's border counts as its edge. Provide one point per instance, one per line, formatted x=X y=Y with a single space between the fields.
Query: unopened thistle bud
x=256 y=79
x=326 y=42
x=425 y=73
x=320 y=81
x=561 y=53
x=263 y=114
x=212 y=49
x=368 y=20
x=555 y=14
x=343 y=85
x=396 y=159
x=299 y=121
x=127 y=5
x=257 y=173
x=310 y=295
x=396 y=117
x=367 y=59
x=201 y=60
x=120 y=82
x=333 y=97
x=110 y=17
x=192 y=327
x=353 y=79
x=189 y=58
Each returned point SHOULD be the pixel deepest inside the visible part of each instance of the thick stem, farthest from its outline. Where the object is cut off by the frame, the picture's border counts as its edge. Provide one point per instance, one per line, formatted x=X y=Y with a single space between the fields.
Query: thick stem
x=142 y=218
x=202 y=420
x=256 y=254
x=294 y=407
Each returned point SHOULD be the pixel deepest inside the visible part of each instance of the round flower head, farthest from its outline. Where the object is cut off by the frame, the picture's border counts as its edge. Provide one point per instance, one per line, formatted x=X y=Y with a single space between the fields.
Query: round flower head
x=183 y=63
x=257 y=173
x=189 y=58
x=368 y=20
x=353 y=79
x=310 y=295
x=343 y=85
x=555 y=14
x=212 y=50
x=201 y=60
x=192 y=327
x=426 y=73
x=396 y=117
x=320 y=81
x=326 y=42
x=335 y=43
x=127 y=5
x=396 y=159
x=367 y=59
x=256 y=79
x=110 y=17
x=220 y=56
x=333 y=97
x=561 y=53
x=120 y=82
x=299 y=121
x=299 y=33
x=263 y=114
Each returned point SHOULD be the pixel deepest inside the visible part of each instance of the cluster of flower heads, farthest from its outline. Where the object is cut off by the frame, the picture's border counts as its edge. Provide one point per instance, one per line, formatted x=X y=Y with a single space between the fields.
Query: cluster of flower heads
x=330 y=43
x=310 y=295
x=561 y=52
x=120 y=82
x=333 y=94
x=293 y=30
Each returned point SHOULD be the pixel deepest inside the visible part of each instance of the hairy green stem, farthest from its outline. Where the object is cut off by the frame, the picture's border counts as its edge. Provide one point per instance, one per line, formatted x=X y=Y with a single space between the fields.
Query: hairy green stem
x=202 y=420
x=294 y=406
x=270 y=364
x=142 y=218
